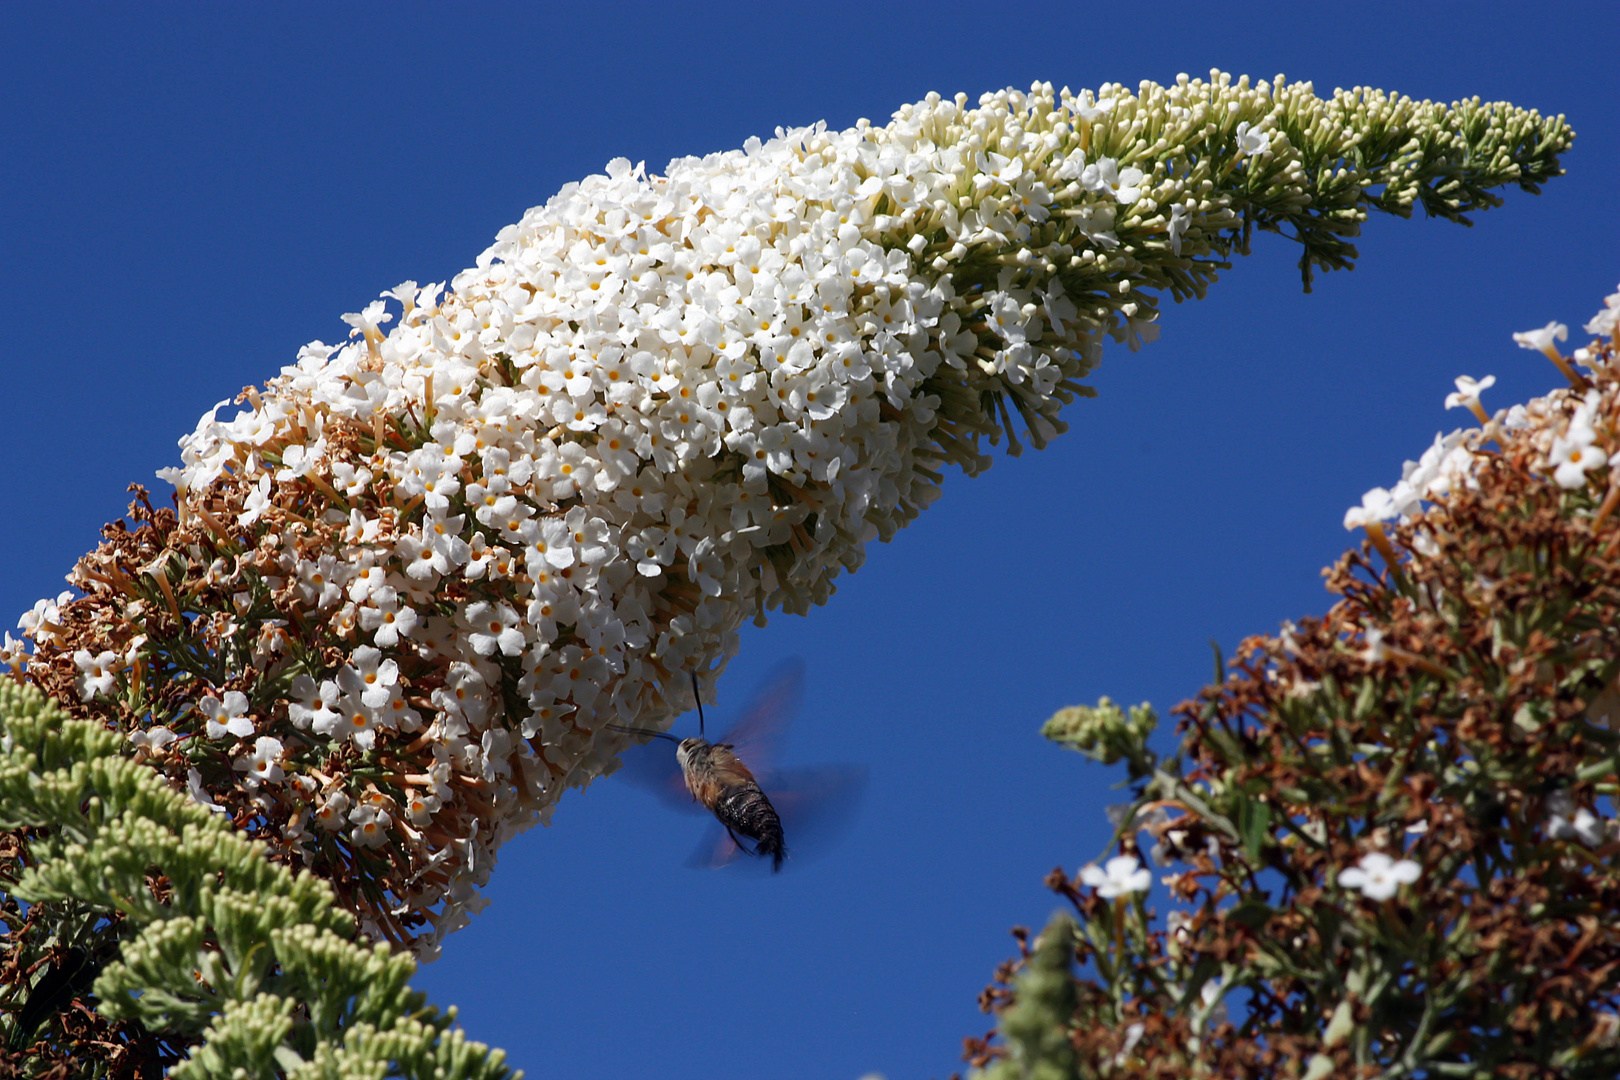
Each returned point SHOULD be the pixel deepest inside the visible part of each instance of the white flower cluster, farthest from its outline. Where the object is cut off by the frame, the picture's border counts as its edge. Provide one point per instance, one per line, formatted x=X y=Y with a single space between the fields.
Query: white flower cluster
x=1568 y=440
x=656 y=406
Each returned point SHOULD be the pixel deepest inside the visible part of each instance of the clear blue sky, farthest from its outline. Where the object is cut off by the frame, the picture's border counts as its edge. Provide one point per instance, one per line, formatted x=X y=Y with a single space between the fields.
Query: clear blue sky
x=188 y=193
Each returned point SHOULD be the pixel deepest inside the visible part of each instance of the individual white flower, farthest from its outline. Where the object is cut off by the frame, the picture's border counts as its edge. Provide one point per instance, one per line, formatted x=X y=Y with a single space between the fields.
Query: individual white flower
x=366 y=581
x=263 y=763
x=1145 y=819
x=1176 y=227
x=369 y=676
x=1251 y=140
x=421 y=806
x=349 y=478
x=1031 y=197
x=397 y=712
x=152 y=738
x=362 y=529
x=387 y=619
x=1068 y=168
x=995 y=169
x=1125 y=185
x=226 y=717
x=349 y=718
x=1090 y=112
x=320 y=581
x=1566 y=820
x=1209 y=997
x=198 y=793
x=1606 y=323
x=480 y=555
x=371 y=825
x=1572 y=456
x=306 y=700
x=1378 y=876
x=333 y=811
x=1137 y=332
x=368 y=322
x=14 y=653
x=257 y=502
x=1586 y=826
x=1377 y=505
x=1133 y=1035
x=1119 y=876
x=438 y=485
x=1543 y=340
x=492 y=627
x=97 y=674
x=43 y=622
x=1374 y=651
x=1467 y=395
x=420 y=559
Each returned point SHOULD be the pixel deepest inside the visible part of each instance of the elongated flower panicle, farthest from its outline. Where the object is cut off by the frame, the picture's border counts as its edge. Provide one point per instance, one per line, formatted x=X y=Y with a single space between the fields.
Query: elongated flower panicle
x=411 y=584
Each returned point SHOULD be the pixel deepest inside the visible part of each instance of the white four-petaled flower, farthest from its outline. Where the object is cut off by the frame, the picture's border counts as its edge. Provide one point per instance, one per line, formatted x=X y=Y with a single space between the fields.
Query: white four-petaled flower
x=263 y=763
x=1573 y=454
x=154 y=738
x=371 y=825
x=1252 y=140
x=1177 y=225
x=1542 y=340
x=1468 y=391
x=1118 y=876
x=198 y=793
x=1378 y=876
x=1606 y=323
x=226 y=717
x=97 y=674
x=1565 y=820
x=1377 y=505
x=14 y=653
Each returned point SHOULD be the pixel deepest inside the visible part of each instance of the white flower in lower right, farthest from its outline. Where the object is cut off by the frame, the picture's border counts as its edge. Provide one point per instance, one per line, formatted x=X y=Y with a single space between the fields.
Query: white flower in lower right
x=1378 y=876
x=1119 y=876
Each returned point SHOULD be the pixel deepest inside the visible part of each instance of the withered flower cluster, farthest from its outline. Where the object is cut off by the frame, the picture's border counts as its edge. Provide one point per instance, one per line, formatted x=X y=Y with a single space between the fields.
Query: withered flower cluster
x=1392 y=828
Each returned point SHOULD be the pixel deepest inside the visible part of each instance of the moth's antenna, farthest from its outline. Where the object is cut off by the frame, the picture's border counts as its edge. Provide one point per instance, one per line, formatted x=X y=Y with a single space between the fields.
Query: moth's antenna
x=698 y=694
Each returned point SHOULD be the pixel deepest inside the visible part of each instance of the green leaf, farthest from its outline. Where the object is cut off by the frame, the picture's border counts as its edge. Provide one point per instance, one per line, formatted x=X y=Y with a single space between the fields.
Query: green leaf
x=1254 y=822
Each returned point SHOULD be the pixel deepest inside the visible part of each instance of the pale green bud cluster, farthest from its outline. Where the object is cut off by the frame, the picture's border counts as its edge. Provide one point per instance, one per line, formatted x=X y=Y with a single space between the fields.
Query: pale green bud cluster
x=1104 y=731
x=255 y=966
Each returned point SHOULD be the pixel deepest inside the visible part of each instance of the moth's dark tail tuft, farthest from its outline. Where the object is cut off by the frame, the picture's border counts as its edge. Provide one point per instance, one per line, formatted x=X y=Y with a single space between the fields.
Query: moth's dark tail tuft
x=746 y=810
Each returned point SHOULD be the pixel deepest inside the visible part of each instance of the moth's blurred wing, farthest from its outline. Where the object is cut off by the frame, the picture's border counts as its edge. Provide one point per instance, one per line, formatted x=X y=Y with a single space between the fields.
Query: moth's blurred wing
x=653 y=768
x=817 y=806
x=762 y=725
x=717 y=849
